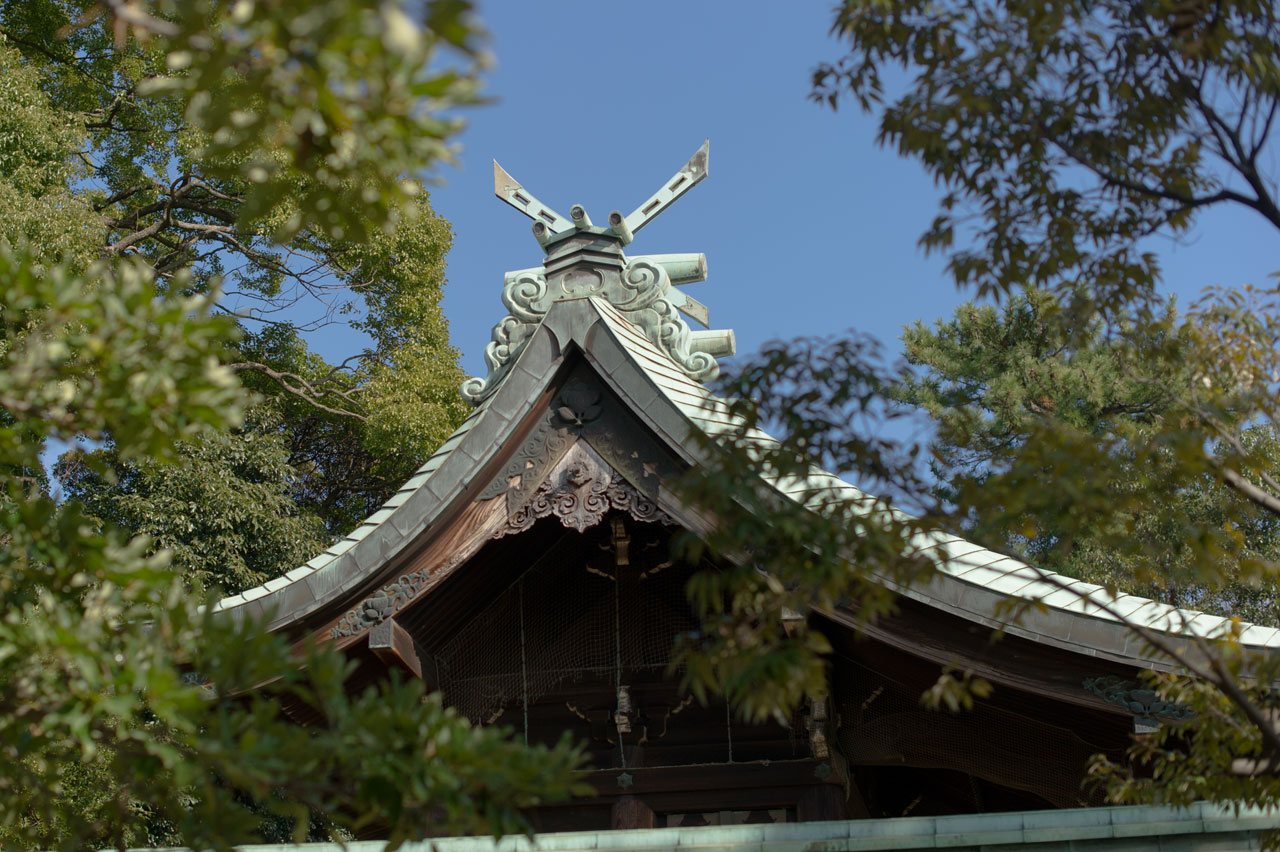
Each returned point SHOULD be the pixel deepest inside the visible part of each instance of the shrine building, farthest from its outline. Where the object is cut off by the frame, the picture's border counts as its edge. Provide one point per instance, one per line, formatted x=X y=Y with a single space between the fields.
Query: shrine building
x=526 y=574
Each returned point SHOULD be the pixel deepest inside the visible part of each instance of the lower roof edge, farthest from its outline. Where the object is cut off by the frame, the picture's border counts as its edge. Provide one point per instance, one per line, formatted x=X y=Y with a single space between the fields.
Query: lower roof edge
x=1164 y=828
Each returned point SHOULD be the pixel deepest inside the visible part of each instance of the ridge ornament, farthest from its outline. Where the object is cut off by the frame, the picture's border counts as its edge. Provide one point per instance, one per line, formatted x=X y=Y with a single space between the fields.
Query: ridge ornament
x=585 y=261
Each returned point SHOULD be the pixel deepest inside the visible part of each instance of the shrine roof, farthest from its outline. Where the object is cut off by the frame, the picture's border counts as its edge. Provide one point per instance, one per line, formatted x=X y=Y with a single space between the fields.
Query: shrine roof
x=371 y=524
x=972 y=581
x=627 y=323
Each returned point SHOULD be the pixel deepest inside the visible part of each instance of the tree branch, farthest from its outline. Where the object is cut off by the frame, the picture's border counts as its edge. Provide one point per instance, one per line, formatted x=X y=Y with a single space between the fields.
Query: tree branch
x=300 y=387
x=1187 y=201
x=1215 y=671
x=1245 y=488
x=1245 y=162
x=123 y=194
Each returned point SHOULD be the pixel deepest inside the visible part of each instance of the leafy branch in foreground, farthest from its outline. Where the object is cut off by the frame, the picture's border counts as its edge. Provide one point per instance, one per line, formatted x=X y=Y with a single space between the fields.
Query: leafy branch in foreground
x=112 y=668
x=182 y=176
x=1111 y=433
x=828 y=401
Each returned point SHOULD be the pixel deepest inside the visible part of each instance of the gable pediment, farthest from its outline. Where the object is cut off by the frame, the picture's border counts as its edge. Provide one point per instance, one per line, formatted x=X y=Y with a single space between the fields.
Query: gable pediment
x=557 y=398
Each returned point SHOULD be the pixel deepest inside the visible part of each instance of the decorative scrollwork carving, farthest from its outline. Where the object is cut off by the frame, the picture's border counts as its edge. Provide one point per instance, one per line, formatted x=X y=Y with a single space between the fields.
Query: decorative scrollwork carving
x=576 y=406
x=580 y=496
x=1137 y=699
x=637 y=287
x=381 y=605
x=521 y=292
x=643 y=282
x=577 y=506
x=663 y=324
x=508 y=340
x=622 y=495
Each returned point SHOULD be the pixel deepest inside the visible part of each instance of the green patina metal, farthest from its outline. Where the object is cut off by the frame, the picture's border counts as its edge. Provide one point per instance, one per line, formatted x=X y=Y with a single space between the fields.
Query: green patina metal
x=584 y=260
x=1198 y=828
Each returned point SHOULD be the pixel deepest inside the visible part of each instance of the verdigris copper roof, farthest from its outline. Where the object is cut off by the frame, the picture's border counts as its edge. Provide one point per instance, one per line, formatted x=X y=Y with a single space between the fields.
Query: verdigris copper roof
x=1200 y=827
x=624 y=318
x=585 y=261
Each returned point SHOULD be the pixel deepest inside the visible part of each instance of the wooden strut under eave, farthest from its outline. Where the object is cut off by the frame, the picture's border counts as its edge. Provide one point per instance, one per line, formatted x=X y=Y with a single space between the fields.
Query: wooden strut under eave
x=392 y=644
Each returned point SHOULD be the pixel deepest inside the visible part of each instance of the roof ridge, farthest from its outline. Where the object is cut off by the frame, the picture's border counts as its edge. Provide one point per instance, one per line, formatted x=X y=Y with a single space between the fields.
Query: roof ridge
x=585 y=261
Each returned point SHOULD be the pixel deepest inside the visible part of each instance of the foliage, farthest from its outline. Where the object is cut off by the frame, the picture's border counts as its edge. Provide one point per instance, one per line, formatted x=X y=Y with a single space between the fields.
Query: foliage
x=1215 y=754
x=36 y=150
x=98 y=636
x=991 y=377
x=226 y=514
x=1065 y=136
x=753 y=647
x=129 y=713
x=328 y=455
x=111 y=146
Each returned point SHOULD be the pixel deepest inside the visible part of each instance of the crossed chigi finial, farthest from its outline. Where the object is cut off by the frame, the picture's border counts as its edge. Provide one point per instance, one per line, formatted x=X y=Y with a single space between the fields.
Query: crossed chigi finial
x=585 y=261
x=547 y=222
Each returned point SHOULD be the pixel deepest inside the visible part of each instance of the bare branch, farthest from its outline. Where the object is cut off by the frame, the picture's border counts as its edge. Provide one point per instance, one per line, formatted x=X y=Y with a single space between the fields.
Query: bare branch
x=1250 y=492
x=300 y=387
x=137 y=236
x=123 y=194
x=1245 y=163
x=1187 y=201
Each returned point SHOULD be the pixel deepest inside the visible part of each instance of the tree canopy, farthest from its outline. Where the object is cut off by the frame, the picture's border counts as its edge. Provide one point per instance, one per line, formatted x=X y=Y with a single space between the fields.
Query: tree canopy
x=179 y=180
x=1085 y=424
x=112 y=156
x=989 y=375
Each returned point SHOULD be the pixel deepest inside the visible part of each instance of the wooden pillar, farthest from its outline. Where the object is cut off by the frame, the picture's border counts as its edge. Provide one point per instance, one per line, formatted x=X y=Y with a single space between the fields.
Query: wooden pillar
x=821 y=802
x=856 y=804
x=630 y=812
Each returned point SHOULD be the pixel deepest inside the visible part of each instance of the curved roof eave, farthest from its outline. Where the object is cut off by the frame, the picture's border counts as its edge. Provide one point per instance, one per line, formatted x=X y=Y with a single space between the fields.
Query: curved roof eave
x=354 y=561
x=972 y=582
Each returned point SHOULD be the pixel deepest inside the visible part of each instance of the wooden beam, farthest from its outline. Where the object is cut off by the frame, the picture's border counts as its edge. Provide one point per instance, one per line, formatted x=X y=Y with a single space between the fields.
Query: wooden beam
x=716 y=779
x=633 y=793
x=395 y=647
x=948 y=640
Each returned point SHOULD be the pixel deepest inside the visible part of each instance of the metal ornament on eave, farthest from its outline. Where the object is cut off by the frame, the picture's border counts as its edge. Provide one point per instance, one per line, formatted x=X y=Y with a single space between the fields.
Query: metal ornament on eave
x=584 y=261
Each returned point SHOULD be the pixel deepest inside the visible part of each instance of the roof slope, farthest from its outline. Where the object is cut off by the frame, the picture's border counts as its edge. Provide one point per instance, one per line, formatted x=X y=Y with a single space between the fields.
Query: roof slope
x=972 y=582
x=625 y=316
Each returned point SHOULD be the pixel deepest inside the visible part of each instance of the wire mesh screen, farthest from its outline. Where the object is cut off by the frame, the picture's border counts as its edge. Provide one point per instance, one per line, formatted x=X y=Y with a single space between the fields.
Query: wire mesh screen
x=575 y=616
x=882 y=723
x=594 y=617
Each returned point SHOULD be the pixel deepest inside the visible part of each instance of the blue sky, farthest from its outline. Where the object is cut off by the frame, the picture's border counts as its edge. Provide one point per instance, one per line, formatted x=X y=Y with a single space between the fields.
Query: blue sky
x=809 y=228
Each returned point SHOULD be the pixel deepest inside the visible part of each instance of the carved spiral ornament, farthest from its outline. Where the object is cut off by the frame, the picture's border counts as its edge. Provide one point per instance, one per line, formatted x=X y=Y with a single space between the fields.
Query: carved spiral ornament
x=584 y=261
x=638 y=290
x=645 y=281
x=520 y=294
x=381 y=605
x=580 y=497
